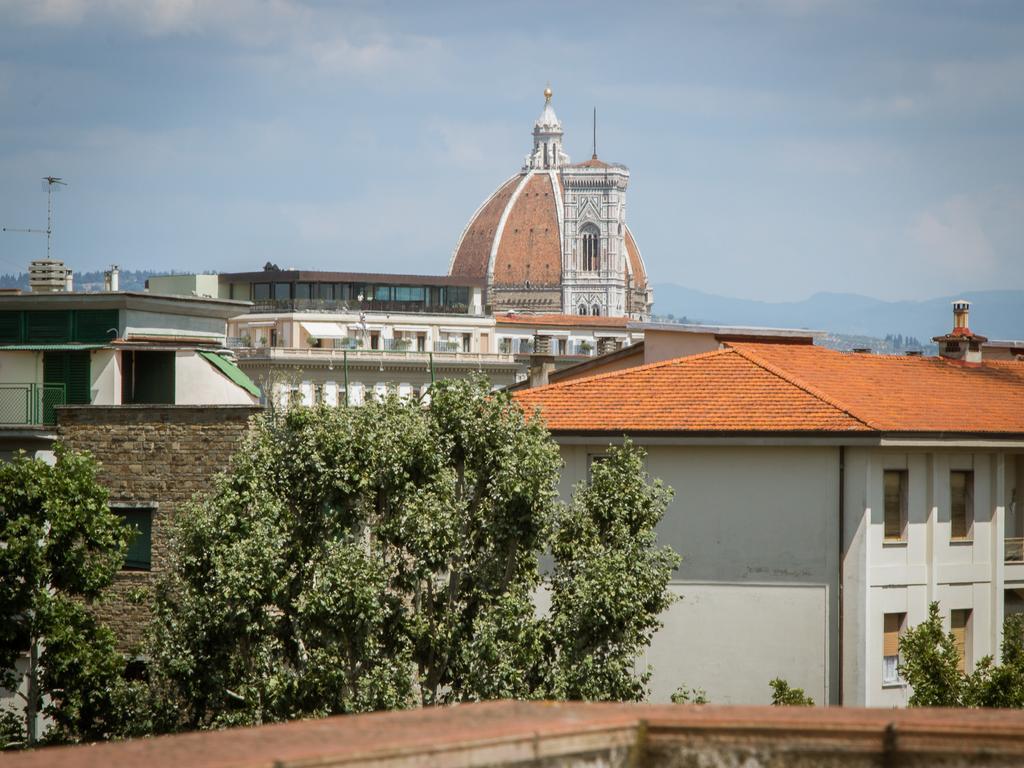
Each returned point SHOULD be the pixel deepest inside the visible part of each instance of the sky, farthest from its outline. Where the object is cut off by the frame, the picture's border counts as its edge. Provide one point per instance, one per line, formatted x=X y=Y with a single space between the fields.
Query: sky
x=777 y=148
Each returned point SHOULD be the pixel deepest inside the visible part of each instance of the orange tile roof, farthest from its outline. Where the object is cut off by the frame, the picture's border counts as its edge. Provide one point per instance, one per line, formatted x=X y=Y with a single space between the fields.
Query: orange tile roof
x=782 y=388
x=474 y=248
x=563 y=321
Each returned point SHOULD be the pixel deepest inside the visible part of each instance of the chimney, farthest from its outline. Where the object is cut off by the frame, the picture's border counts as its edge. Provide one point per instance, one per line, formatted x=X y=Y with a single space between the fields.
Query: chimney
x=112 y=278
x=961 y=343
x=69 y=281
x=541 y=366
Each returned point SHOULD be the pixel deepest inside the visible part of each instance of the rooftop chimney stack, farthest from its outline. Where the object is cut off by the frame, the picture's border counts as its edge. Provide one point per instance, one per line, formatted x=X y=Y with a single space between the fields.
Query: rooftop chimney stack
x=961 y=343
x=112 y=278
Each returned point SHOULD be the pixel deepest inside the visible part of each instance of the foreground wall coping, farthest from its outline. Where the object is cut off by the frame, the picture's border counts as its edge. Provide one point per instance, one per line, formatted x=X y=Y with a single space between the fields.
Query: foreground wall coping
x=566 y=734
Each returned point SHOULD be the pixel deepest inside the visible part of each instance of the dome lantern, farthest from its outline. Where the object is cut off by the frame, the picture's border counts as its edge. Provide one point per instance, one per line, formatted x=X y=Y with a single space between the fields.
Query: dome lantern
x=547 y=139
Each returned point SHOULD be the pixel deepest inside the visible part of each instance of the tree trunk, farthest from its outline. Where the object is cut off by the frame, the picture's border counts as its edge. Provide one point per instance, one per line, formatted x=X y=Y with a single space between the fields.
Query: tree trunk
x=32 y=702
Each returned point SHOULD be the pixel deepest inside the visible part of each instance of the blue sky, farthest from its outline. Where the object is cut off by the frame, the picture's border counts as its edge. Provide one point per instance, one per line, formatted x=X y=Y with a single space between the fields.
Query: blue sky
x=777 y=147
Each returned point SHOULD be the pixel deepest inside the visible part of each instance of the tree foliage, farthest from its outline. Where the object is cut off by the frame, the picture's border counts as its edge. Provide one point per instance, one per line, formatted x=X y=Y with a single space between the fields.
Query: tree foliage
x=387 y=556
x=783 y=695
x=62 y=547
x=930 y=664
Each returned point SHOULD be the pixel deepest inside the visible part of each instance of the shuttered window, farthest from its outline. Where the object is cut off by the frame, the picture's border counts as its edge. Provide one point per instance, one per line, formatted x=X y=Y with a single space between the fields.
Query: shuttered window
x=961 y=504
x=48 y=326
x=892 y=627
x=10 y=328
x=139 y=556
x=95 y=325
x=895 y=482
x=959 y=624
x=72 y=369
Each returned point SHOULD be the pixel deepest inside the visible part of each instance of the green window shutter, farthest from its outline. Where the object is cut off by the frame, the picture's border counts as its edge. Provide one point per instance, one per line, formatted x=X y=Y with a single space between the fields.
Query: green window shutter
x=48 y=326
x=139 y=556
x=93 y=325
x=72 y=369
x=10 y=327
x=79 y=381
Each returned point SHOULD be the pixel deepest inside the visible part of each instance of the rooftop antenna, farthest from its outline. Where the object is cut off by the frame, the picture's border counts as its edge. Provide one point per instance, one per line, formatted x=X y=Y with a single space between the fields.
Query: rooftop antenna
x=595 y=134
x=51 y=181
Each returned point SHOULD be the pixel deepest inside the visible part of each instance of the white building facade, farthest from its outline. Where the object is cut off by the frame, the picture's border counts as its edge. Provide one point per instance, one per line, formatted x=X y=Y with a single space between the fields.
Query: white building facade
x=821 y=504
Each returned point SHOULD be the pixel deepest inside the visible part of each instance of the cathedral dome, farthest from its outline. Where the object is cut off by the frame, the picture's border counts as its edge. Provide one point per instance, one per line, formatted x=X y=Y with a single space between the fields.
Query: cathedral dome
x=553 y=238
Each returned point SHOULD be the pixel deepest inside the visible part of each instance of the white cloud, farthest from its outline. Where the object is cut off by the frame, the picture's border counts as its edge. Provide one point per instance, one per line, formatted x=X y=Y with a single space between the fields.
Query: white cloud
x=952 y=239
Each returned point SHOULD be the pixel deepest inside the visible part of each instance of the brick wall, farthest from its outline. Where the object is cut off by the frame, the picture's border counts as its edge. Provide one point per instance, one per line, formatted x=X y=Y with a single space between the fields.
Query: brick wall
x=160 y=455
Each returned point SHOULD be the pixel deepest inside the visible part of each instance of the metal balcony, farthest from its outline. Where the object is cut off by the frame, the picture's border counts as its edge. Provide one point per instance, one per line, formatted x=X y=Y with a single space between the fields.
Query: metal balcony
x=30 y=404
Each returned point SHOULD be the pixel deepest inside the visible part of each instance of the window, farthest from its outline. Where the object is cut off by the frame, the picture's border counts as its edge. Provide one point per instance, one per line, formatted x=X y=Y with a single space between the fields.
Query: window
x=895 y=483
x=325 y=291
x=147 y=377
x=382 y=293
x=583 y=309
x=260 y=291
x=409 y=293
x=893 y=624
x=303 y=291
x=595 y=310
x=591 y=248
x=139 y=556
x=960 y=626
x=282 y=291
x=961 y=504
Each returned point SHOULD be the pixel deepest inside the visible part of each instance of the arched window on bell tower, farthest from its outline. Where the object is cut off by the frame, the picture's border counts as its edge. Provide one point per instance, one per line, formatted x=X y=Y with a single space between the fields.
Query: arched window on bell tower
x=591 y=248
x=596 y=310
x=583 y=309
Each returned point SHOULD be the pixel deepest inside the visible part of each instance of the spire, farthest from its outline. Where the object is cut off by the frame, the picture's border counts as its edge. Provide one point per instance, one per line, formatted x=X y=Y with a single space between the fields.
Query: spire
x=547 y=138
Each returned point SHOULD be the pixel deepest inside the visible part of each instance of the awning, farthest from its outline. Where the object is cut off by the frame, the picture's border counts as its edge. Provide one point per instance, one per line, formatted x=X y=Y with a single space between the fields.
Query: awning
x=232 y=371
x=455 y=330
x=260 y=324
x=325 y=330
x=48 y=347
x=412 y=328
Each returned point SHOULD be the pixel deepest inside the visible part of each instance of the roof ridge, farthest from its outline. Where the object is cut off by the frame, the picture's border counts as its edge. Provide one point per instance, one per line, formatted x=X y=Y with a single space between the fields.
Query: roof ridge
x=633 y=369
x=796 y=381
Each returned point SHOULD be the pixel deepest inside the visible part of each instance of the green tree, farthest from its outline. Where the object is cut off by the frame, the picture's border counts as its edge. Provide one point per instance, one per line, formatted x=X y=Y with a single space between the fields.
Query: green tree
x=783 y=695
x=930 y=664
x=384 y=556
x=608 y=586
x=61 y=549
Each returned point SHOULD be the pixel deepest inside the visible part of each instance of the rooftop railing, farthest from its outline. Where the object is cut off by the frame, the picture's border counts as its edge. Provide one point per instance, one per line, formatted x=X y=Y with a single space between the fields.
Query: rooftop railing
x=354 y=305
x=29 y=404
x=1014 y=550
x=335 y=356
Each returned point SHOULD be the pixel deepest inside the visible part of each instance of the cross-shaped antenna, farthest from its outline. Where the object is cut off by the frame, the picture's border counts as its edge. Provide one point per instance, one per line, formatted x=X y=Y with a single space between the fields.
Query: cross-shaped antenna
x=51 y=181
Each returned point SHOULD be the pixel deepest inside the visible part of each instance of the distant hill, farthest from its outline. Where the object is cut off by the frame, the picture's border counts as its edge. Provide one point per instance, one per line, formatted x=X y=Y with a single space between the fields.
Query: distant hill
x=996 y=314
x=129 y=280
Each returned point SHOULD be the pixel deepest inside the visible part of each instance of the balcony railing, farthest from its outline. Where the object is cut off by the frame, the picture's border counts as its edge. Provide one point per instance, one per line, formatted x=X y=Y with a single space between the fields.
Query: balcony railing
x=336 y=356
x=1014 y=550
x=29 y=404
x=353 y=305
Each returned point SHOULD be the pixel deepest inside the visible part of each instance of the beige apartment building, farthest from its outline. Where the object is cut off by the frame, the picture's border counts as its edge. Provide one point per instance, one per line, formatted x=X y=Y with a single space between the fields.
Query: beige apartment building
x=822 y=500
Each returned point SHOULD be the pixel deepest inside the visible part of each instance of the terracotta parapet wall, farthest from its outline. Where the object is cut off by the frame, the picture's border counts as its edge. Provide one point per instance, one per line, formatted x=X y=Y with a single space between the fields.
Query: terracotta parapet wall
x=576 y=734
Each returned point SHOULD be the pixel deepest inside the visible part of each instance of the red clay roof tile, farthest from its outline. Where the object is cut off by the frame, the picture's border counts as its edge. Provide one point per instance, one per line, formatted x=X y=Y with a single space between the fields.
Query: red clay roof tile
x=782 y=388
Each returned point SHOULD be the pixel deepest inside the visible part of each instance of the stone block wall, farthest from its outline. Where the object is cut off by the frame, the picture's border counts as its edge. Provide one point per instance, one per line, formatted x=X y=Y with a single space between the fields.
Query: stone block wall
x=156 y=456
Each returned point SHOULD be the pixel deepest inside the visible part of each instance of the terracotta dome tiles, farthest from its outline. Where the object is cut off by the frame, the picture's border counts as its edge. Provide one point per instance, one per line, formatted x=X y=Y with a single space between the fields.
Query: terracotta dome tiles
x=636 y=264
x=474 y=249
x=530 y=248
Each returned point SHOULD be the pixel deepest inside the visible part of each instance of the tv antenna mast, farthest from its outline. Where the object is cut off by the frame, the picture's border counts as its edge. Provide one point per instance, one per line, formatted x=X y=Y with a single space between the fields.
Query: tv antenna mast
x=51 y=182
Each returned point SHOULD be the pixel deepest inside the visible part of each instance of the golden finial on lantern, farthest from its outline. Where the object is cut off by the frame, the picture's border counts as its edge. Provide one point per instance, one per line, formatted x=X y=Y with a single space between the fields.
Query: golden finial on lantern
x=547 y=93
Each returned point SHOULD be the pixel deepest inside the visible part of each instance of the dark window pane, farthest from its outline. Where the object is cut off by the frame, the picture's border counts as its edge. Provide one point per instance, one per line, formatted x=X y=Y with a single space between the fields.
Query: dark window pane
x=303 y=291
x=139 y=556
x=282 y=291
x=260 y=291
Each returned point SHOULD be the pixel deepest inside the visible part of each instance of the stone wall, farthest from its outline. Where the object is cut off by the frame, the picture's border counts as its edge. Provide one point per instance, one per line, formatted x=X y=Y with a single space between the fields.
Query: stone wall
x=153 y=456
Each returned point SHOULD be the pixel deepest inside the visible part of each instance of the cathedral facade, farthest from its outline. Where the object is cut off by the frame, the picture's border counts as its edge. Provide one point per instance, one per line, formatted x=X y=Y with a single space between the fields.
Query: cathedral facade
x=554 y=239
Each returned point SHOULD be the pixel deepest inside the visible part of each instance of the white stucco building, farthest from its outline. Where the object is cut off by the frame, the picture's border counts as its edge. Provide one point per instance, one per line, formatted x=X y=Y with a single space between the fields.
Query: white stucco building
x=822 y=500
x=110 y=348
